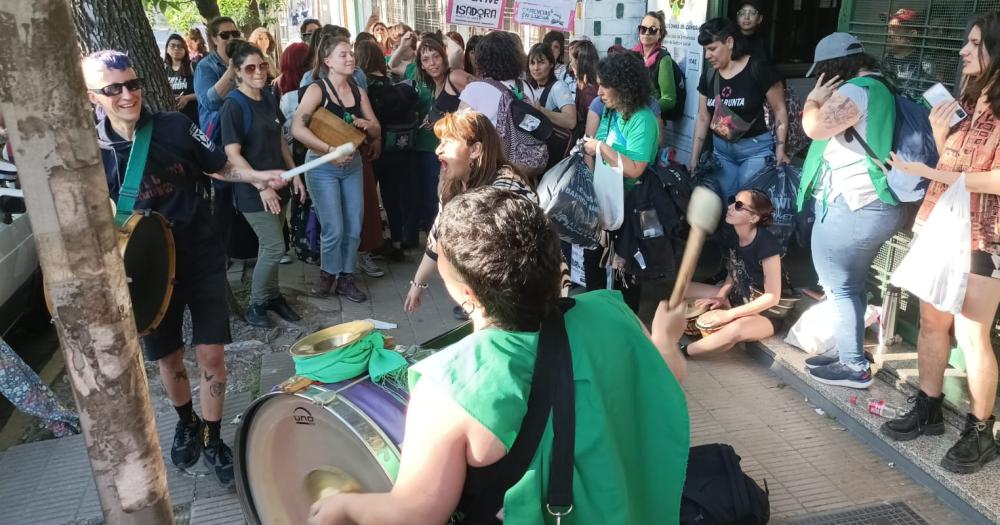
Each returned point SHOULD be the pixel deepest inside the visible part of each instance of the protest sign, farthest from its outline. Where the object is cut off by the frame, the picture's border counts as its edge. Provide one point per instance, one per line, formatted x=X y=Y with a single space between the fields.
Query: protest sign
x=559 y=14
x=479 y=13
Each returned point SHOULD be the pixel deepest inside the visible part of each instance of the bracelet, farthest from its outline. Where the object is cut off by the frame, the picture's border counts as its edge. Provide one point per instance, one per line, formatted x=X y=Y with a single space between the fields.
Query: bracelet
x=422 y=286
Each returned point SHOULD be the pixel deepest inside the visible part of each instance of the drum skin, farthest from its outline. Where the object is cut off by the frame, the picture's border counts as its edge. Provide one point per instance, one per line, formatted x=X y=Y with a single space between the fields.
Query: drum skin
x=708 y=322
x=691 y=313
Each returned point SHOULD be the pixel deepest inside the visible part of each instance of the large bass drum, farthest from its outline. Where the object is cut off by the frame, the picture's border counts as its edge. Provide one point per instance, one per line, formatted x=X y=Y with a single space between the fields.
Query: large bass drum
x=352 y=429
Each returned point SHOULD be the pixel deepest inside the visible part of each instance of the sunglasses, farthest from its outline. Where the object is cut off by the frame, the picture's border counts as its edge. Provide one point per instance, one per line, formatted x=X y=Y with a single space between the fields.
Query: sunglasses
x=747 y=12
x=176 y=46
x=306 y=36
x=226 y=35
x=740 y=205
x=643 y=30
x=113 y=90
x=250 y=69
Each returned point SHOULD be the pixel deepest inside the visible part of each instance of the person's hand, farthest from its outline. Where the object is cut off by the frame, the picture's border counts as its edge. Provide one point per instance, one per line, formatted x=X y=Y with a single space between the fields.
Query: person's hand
x=272 y=203
x=182 y=101
x=412 y=299
x=409 y=40
x=362 y=123
x=667 y=323
x=299 y=188
x=374 y=150
x=692 y=167
x=782 y=158
x=590 y=145
x=940 y=118
x=723 y=317
x=268 y=179
x=916 y=169
x=713 y=303
x=330 y=510
x=824 y=88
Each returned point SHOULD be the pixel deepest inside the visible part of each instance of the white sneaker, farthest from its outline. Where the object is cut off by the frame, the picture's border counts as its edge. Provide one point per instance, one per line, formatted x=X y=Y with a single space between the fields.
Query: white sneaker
x=368 y=266
x=285 y=259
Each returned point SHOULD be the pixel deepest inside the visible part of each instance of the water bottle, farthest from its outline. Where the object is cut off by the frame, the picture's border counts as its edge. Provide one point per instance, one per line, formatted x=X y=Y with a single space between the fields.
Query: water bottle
x=880 y=408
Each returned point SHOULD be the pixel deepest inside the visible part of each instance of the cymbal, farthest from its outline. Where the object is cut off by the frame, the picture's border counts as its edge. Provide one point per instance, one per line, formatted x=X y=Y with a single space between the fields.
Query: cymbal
x=332 y=338
x=329 y=481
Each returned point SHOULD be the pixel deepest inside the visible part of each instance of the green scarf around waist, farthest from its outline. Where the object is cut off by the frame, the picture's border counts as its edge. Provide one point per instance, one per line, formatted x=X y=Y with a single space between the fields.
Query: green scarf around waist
x=881 y=125
x=366 y=355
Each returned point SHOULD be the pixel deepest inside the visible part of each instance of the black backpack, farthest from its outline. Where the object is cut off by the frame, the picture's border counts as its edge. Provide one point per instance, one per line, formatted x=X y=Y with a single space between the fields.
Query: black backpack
x=646 y=237
x=680 y=86
x=394 y=103
x=717 y=492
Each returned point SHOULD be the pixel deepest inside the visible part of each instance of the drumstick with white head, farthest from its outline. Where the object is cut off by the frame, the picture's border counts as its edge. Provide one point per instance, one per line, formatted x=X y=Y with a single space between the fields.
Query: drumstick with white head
x=339 y=152
x=703 y=213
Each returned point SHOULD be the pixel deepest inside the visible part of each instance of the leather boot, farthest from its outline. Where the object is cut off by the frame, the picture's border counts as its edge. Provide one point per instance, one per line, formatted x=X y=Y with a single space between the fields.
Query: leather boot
x=924 y=418
x=323 y=286
x=279 y=306
x=974 y=449
x=257 y=316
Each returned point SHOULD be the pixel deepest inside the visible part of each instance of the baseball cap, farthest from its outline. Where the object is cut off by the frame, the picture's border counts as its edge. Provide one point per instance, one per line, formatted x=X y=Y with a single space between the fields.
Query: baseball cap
x=752 y=3
x=836 y=45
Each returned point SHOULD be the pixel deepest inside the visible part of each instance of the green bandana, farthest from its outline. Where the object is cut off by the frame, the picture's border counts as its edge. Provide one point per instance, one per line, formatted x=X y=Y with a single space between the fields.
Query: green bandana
x=367 y=355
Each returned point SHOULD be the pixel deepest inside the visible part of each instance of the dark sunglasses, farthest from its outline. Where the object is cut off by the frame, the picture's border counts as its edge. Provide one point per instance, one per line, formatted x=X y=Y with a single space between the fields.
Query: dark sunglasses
x=250 y=69
x=643 y=30
x=113 y=90
x=740 y=205
x=226 y=35
x=306 y=36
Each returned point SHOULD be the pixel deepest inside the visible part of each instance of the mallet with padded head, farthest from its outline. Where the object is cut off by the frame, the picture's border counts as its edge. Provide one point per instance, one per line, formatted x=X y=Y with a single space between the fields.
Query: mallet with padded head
x=703 y=213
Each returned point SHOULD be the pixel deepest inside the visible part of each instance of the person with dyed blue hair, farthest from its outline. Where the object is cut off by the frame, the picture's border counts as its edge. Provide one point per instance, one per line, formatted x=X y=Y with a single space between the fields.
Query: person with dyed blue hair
x=172 y=184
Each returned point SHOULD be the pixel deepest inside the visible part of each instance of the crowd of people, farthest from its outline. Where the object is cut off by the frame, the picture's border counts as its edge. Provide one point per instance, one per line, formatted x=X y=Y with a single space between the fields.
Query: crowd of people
x=443 y=154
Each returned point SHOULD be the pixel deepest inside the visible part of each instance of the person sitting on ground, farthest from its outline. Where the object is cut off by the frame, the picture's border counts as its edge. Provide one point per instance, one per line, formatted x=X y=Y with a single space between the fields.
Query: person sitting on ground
x=173 y=184
x=261 y=147
x=499 y=256
x=968 y=148
x=470 y=155
x=753 y=282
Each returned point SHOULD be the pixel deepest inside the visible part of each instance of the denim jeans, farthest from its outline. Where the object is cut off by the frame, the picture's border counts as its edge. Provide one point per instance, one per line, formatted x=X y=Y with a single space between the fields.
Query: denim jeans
x=271 y=247
x=844 y=244
x=741 y=160
x=338 y=196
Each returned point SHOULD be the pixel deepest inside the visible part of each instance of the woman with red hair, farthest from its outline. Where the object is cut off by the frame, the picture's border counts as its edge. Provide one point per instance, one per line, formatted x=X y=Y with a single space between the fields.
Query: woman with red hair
x=292 y=59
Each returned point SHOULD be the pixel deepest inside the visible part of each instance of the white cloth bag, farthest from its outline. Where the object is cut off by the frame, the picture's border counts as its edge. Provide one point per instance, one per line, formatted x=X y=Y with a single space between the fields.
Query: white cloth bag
x=609 y=184
x=936 y=269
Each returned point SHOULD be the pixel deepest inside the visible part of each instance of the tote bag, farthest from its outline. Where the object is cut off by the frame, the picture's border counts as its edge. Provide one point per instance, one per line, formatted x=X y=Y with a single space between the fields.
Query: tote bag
x=609 y=185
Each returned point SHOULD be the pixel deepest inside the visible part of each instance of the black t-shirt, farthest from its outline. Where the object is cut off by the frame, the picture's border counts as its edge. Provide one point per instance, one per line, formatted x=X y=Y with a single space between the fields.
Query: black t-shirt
x=757 y=46
x=746 y=263
x=183 y=85
x=261 y=147
x=745 y=93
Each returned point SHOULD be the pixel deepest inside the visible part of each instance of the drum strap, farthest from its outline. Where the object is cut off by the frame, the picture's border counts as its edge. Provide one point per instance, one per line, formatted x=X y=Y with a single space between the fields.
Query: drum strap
x=129 y=190
x=551 y=393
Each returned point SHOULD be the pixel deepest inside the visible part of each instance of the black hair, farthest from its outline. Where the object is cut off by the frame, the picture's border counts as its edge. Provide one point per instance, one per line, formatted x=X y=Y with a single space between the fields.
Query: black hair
x=626 y=74
x=505 y=249
x=308 y=22
x=498 y=57
x=556 y=36
x=846 y=67
x=540 y=51
x=369 y=57
x=342 y=32
x=431 y=42
x=239 y=50
x=213 y=25
x=186 y=69
x=362 y=36
x=470 y=51
x=585 y=61
x=721 y=29
x=989 y=78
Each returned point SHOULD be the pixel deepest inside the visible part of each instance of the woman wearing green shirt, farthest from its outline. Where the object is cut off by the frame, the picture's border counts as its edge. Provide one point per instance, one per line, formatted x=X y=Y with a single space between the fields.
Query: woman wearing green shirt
x=629 y=128
x=500 y=256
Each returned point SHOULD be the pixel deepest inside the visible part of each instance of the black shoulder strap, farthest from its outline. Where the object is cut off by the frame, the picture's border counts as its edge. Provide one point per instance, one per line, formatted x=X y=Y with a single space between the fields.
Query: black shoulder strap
x=545 y=92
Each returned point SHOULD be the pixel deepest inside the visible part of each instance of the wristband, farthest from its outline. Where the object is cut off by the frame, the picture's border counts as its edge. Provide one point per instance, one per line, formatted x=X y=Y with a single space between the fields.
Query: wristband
x=422 y=286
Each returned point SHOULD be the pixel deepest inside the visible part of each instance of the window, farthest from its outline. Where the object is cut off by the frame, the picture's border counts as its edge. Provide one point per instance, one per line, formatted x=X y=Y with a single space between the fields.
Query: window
x=429 y=16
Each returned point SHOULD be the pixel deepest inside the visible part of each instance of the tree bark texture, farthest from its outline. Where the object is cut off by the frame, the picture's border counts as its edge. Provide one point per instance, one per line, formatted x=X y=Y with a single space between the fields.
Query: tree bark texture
x=122 y=25
x=208 y=9
x=253 y=18
x=42 y=97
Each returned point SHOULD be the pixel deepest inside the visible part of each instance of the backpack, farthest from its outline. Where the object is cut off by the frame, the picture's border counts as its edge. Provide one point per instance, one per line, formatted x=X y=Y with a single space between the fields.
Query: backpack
x=717 y=492
x=645 y=237
x=680 y=86
x=522 y=148
x=679 y=186
x=912 y=140
x=304 y=231
x=524 y=115
x=561 y=140
x=395 y=106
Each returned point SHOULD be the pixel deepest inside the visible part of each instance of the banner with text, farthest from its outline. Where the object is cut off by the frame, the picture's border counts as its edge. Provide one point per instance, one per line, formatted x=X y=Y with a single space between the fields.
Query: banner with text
x=479 y=13
x=558 y=14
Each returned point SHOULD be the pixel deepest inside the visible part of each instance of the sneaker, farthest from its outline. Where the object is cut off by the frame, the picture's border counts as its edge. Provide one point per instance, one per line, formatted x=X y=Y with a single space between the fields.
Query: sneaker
x=975 y=447
x=840 y=374
x=257 y=316
x=187 y=443
x=285 y=259
x=350 y=291
x=924 y=418
x=219 y=458
x=368 y=266
x=826 y=358
x=280 y=306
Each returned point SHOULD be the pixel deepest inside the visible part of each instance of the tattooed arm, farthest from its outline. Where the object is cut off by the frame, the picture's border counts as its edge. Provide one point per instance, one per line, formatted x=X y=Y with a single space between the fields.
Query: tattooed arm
x=776 y=98
x=828 y=113
x=259 y=179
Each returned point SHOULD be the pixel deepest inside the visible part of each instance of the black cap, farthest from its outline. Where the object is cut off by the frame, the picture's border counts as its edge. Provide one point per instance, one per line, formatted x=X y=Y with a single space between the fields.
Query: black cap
x=756 y=4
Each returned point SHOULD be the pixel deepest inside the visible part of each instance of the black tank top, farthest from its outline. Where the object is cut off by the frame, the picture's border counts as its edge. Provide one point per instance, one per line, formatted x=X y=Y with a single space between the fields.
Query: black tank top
x=335 y=105
x=446 y=102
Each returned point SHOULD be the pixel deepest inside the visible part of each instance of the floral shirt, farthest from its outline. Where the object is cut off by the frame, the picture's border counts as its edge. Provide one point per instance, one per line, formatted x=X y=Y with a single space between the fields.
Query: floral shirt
x=972 y=147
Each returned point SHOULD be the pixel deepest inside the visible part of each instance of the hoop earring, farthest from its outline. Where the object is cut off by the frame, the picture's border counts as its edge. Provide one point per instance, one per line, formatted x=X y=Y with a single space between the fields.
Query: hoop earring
x=468 y=310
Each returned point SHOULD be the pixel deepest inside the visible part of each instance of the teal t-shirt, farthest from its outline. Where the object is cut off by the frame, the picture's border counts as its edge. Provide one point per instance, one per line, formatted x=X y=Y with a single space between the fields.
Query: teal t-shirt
x=632 y=426
x=636 y=138
x=425 y=139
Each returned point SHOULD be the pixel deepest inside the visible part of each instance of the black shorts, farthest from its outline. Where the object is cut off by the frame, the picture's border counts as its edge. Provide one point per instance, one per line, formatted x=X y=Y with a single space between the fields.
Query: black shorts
x=985 y=264
x=200 y=287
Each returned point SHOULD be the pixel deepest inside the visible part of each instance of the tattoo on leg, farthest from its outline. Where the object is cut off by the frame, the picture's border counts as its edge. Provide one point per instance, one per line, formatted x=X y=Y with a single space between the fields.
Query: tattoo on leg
x=180 y=376
x=217 y=389
x=208 y=377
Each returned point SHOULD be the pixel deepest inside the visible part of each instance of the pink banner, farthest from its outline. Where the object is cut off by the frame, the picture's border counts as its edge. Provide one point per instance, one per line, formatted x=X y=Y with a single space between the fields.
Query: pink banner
x=478 y=13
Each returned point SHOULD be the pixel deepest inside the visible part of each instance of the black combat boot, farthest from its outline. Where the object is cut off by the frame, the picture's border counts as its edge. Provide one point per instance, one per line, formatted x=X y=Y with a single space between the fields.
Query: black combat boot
x=974 y=449
x=924 y=418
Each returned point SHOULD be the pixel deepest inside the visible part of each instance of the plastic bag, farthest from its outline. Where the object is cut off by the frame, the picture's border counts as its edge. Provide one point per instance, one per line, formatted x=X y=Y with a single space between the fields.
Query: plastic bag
x=936 y=269
x=814 y=333
x=566 y=194
x=609 y=185
x=781 y=184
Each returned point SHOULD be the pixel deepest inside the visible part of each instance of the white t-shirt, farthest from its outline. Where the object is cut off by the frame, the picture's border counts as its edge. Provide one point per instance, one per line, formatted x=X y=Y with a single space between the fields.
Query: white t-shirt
x=485 y=98
x=559 y=96
x=848 y=174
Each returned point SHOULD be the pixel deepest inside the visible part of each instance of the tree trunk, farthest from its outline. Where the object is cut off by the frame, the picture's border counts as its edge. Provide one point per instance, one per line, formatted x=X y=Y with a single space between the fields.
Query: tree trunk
x=42 y=97
x=208 y=9
x=253 y=18
x=122 y=25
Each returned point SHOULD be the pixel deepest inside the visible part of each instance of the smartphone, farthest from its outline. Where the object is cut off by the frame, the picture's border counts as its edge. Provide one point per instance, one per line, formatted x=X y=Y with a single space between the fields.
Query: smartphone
x=938 y=94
